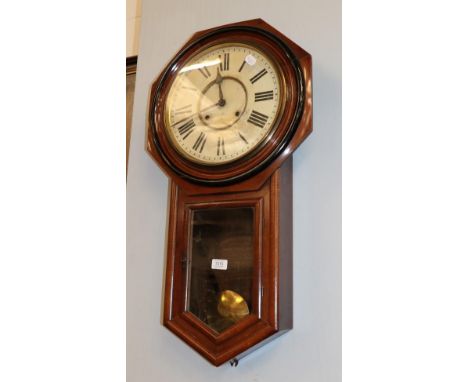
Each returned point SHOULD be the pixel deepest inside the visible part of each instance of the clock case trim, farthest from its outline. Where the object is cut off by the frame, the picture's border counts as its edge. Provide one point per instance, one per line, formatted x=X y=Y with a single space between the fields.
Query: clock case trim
x=272 y=281
x=265 y=159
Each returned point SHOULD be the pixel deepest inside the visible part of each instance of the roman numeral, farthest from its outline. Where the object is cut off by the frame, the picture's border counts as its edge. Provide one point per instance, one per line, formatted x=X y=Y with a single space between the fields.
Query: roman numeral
x=186 y=129
x=259 y=75
x=183 y=110
x=224 y=65
x=200 y=143
x=242 y=66
x=264 y=96
x=258 y=119
x=221 y=146
x=243 y=138
x=204 y=70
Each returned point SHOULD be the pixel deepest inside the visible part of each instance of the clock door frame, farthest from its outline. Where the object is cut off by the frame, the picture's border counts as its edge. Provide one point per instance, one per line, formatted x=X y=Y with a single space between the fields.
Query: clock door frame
x=195 y=204
x=272 y=268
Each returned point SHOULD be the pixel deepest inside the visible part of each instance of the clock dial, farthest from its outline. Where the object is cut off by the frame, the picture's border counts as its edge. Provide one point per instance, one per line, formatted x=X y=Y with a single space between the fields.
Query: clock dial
x=223 y=103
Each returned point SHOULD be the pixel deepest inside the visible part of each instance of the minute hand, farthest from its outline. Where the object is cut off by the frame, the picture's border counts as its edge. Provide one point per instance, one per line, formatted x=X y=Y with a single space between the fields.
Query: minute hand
x=219 y=79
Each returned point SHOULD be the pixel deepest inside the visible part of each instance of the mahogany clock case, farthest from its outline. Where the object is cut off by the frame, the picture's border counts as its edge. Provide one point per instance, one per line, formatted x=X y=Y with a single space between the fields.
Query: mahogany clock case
x=271 y=284
x=260 y=183
x=292 y=126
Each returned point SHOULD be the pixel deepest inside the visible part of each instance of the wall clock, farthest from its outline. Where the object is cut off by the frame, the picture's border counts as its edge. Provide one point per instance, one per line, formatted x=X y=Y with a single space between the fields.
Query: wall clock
x=224 y=118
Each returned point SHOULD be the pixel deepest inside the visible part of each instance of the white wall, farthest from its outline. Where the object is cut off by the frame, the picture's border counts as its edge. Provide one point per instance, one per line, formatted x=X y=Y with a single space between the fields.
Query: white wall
x=312 y=350
x=133 y=26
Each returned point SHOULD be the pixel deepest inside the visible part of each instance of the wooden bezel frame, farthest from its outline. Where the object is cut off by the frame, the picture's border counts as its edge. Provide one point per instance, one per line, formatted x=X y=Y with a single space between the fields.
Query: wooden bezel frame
x=272 y=275
x=296 y=88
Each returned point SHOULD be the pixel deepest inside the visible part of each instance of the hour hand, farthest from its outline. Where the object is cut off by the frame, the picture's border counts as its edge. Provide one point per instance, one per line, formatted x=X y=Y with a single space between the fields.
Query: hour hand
x=209 y=107
x=198 y=112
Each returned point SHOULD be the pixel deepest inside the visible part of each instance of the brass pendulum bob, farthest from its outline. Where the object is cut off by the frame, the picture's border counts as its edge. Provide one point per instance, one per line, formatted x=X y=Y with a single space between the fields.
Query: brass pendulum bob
x=232 y=305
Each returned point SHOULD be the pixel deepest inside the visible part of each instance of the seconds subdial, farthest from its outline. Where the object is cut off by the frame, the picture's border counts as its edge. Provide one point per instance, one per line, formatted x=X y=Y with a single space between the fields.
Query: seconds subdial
x=232 y=102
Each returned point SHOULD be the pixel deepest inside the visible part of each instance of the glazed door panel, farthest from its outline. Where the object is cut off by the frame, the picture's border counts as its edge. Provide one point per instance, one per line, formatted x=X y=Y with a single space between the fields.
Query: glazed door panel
x=221 y=258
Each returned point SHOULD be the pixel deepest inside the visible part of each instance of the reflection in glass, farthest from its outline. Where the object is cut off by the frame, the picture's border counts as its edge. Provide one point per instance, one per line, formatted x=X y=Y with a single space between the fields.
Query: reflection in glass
x=221 y=297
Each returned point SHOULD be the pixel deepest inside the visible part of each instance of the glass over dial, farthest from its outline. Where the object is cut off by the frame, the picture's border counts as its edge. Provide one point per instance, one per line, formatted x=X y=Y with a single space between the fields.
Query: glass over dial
x=223 y=103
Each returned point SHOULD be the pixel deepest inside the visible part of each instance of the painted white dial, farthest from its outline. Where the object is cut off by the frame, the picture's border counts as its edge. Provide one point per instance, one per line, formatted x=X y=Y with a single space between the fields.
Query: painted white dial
x=223 y=103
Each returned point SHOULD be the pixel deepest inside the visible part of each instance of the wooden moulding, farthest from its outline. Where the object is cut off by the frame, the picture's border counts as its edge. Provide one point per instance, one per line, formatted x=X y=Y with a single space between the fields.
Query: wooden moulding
x=272 y=282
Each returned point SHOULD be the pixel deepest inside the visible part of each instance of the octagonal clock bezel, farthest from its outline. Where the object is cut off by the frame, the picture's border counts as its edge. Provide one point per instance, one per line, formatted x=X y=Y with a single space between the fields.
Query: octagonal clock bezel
x=295 y=91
